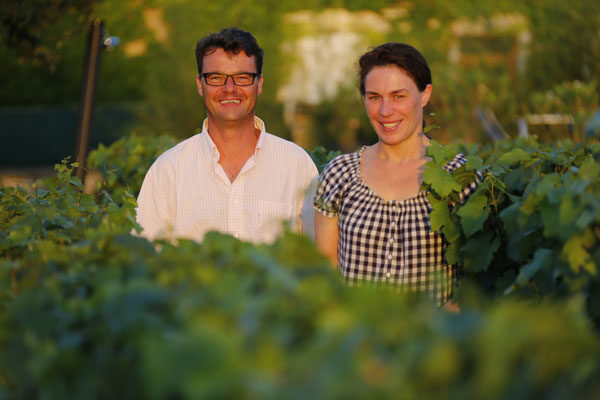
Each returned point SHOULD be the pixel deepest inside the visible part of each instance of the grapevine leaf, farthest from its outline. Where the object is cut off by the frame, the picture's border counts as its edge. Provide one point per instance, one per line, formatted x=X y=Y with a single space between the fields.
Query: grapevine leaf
x=512 y=157
x=569 y=210
x=439 y=215
x=541 y=258
x=440 y=219
x=576 y=254
x=473 y=214
x=590 y=169
x=479 y=251
x=548 y=184
x=474 y=162
x=517 y=179
x=550 y=219
x=441 y=154
x=441 y=181
x=452 y=252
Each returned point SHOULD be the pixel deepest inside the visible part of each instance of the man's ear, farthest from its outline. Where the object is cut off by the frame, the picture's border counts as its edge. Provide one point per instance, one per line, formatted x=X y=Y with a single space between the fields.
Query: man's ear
x=199 y=84
x=260 y=83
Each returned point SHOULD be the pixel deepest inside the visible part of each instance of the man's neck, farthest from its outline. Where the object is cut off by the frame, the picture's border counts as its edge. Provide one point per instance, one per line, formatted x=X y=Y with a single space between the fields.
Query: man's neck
x=236 y=144
x=233 y=138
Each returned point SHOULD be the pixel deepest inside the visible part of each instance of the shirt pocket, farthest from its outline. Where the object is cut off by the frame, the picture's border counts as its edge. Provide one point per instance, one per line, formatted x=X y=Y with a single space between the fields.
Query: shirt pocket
x=272 y=217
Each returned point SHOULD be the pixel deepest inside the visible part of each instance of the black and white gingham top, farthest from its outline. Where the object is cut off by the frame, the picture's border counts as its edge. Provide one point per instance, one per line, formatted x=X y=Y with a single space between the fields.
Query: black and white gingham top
x=385 y=243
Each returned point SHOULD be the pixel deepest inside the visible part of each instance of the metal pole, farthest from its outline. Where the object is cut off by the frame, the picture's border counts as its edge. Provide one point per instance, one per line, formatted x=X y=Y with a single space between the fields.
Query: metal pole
x=88 y=89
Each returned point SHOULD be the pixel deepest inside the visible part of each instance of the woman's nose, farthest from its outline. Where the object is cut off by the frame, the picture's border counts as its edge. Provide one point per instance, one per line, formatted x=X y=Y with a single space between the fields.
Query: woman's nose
x=385 y=108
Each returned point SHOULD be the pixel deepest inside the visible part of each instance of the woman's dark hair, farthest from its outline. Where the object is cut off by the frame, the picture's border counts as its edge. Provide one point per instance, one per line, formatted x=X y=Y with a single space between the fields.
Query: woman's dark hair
x=232 y=41
x=400 y=54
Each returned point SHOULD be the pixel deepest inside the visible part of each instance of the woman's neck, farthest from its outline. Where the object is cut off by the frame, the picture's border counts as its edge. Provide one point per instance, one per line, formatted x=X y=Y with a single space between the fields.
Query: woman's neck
x=411 y=149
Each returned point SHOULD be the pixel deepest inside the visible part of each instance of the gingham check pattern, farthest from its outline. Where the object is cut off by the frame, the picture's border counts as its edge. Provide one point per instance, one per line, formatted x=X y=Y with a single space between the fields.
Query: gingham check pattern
x=385 y=243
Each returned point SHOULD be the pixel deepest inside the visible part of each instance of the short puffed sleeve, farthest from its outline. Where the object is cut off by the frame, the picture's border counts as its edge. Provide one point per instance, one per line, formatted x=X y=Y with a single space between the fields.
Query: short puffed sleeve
x=458 y=161
x=332 y=183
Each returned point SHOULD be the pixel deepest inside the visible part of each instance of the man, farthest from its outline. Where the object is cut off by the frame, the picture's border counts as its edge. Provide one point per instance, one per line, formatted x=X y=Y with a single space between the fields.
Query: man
x=233 y=177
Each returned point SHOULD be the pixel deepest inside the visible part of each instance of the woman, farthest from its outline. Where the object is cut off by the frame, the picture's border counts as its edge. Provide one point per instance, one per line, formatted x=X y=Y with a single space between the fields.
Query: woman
x=372 y=220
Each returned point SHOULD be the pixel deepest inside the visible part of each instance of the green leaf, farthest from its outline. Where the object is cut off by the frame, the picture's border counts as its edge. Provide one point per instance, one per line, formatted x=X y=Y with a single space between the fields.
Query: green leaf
x=548 y=184
x=440 y=219
x=440 y=154
x=474 y=162
x=542 y=257
x=441 y=181
x=452 y=252
x=439 y=215
x=473 y=213
x=512 y=157
x=575 y=251
x=479 y=251
x=589 y=169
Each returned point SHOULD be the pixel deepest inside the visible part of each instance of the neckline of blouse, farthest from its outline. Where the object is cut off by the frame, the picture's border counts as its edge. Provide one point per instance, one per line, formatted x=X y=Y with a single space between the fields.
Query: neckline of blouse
x=357 y=161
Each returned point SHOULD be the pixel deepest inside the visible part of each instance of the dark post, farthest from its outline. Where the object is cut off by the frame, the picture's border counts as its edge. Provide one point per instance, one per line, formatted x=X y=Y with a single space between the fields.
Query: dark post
x=88 y=89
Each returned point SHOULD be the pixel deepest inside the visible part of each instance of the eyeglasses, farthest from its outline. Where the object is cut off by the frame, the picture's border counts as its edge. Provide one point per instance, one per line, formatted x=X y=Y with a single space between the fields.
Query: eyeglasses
x=241 y=79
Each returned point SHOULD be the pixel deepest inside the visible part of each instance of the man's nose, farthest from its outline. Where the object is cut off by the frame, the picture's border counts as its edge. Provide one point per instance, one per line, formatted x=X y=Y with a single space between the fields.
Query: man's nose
x=229 y=84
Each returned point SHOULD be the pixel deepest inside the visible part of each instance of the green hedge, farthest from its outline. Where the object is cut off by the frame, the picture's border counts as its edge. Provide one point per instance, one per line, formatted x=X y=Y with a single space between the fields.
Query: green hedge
x=88 y=310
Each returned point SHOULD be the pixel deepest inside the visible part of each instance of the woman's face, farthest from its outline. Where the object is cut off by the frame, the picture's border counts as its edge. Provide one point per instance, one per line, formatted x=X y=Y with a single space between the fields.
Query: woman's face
x=394 y=104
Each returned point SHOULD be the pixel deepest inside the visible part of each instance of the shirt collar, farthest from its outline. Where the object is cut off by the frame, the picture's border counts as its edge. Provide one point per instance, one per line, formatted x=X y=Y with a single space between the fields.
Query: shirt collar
x=209 y=148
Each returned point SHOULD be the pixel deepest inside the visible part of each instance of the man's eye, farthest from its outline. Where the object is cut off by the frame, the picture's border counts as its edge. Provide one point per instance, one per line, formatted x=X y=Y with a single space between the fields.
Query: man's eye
x=215 y=78
x=373 y=97
x=243 y=78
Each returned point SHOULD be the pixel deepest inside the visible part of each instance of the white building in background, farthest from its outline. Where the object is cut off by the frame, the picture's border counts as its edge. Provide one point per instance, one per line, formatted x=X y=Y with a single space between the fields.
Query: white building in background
x=321 y=50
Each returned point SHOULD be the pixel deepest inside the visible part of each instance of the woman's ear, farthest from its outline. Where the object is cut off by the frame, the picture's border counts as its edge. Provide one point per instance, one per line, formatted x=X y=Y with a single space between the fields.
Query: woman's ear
x=426 y=94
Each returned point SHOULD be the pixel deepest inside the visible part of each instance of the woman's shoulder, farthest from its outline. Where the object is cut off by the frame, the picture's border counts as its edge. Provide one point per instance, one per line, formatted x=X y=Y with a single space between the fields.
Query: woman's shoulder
x=342 y=164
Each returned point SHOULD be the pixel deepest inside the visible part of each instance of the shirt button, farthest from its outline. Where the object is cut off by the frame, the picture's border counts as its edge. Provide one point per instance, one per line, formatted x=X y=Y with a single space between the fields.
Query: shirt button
x=391 y=240
x=389 y=257
x=388 y=274
x=235 y=235
x=393 y=224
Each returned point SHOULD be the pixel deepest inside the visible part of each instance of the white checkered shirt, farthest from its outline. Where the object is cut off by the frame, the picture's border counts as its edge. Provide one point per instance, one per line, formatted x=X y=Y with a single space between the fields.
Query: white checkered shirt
x=186 y=192
x=385 y=243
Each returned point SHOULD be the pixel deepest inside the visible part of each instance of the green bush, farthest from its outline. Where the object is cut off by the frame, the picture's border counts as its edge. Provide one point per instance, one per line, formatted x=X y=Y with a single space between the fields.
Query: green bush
x=532 y=228
x=125 y=162
x=88 y=310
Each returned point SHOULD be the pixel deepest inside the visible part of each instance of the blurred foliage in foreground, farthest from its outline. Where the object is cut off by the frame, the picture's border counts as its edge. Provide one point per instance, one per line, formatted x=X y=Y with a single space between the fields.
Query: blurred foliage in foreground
x=89 y=311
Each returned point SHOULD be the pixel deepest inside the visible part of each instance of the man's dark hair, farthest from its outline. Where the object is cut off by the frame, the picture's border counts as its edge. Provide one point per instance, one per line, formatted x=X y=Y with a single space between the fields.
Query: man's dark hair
x=232 y=41
x=400 y=54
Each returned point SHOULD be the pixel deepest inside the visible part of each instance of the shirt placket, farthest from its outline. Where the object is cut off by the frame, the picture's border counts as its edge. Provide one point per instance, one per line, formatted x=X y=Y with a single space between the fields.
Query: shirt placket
x=391 y=242
x=236 y=211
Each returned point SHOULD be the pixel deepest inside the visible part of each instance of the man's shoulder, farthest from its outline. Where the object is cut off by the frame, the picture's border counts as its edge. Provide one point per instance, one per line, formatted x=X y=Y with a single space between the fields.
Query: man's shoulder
x=285 y=147
x=180 y=150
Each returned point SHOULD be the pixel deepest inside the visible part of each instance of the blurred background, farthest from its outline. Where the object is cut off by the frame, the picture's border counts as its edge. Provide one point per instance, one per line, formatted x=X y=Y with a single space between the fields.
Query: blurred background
x=500 y=69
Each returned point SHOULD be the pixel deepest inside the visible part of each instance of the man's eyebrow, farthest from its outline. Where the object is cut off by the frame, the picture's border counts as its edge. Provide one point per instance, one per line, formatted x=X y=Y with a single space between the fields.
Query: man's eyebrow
x=233 y=73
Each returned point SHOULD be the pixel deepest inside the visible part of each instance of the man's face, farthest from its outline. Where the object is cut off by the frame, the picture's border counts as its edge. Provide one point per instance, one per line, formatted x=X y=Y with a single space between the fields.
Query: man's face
x=229 y=103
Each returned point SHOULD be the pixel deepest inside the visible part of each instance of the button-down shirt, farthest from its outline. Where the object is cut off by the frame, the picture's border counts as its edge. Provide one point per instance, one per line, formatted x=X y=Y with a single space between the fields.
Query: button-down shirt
x=187 y=193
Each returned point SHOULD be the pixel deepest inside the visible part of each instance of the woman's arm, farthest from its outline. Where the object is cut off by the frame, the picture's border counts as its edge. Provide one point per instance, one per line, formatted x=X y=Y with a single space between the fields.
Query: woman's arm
x=326 y=236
